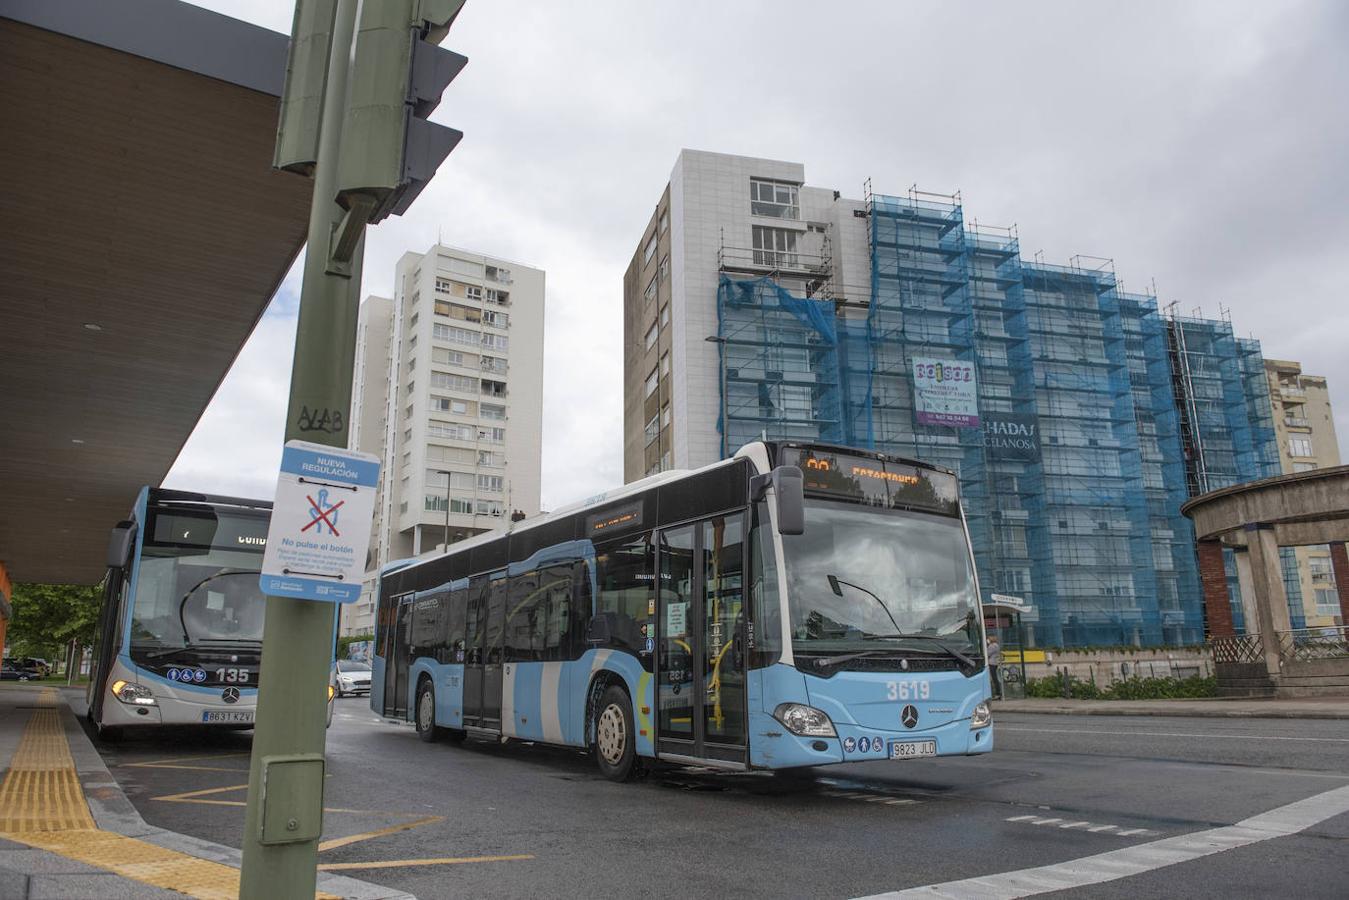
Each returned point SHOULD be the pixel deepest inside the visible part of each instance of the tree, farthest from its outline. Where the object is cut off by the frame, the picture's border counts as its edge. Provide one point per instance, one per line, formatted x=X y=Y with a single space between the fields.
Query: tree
x=48 y=616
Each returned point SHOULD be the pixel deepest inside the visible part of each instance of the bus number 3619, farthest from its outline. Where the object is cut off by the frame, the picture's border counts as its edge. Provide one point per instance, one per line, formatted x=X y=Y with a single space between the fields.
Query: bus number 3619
x=908 y=690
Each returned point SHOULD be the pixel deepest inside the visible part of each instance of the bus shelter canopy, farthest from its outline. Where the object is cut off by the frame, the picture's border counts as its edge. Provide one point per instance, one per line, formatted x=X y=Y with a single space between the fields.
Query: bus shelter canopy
x=145 y=232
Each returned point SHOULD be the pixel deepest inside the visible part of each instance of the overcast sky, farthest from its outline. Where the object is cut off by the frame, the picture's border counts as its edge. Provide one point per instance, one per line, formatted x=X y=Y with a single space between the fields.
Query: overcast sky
x=1203 y=145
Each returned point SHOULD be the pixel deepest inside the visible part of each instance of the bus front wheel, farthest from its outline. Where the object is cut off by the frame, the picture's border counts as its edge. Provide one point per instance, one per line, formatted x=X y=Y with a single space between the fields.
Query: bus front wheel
x=615 y=744
x=426 y=712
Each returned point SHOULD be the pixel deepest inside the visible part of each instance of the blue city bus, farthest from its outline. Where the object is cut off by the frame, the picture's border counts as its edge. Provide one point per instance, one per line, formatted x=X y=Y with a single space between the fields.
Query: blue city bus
x=795 y=605
x=180 y=632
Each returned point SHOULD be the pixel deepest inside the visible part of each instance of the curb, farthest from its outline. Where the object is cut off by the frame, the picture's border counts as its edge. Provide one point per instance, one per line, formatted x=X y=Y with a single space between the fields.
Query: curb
x=113 y=812
x=1178 y=713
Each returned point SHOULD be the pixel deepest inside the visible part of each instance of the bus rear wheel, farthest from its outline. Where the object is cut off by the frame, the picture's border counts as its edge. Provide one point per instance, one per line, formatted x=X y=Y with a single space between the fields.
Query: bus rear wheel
x=615 y=737
x=426 y=712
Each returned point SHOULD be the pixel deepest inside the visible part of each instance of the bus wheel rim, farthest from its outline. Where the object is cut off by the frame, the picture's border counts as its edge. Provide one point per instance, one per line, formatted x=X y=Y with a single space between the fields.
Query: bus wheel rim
x=424 y=711
x=612 y=734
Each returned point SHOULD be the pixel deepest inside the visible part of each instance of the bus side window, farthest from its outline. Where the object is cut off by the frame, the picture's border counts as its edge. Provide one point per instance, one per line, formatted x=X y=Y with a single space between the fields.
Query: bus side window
x=582 y=606
x=554 y=613
x=454 y=626
x=522 y=611
x=765 y=603
x=627 y=594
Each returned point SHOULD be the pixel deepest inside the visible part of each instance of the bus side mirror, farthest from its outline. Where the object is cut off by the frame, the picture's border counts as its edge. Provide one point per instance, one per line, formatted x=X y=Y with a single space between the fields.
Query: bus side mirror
x=120 y=542
x=790 y=494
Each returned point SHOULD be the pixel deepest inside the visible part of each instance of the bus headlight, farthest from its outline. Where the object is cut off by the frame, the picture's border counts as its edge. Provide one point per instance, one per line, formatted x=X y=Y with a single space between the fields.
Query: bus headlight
x=806 y=721
x=982 y=717
x=135 y=694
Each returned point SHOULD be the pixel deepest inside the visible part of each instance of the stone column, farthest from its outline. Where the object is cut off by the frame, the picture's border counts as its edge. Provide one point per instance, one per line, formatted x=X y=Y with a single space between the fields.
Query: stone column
x=1270 y=600
x=1213 y=577
x=1246 y=590
x=1339 y=564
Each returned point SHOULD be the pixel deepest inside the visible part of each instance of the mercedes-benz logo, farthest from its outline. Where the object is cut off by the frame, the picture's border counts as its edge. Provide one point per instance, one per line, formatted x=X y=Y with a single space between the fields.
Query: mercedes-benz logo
x=231 y=695
x=909 y=716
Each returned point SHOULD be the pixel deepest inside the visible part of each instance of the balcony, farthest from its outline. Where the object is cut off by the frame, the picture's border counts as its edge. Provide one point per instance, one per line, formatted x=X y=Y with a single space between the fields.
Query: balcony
x=1296 y=422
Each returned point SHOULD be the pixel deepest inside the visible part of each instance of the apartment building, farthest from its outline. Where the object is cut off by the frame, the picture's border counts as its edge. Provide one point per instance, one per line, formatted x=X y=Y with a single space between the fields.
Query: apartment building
x=448 y=392
x=1305 y=425
x=759 y=305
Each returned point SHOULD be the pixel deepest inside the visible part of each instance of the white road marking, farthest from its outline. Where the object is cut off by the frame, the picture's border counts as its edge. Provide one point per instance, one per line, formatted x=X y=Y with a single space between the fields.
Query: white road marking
x=1216 y=735
x=1140 y=858
x=1046 y=821
x=1102 y=828
x=1130 y=831
x=1077 y=825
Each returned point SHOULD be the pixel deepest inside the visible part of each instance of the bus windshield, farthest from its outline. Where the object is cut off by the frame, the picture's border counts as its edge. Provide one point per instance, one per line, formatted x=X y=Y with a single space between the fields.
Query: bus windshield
x=197 y=581
x=862 y=577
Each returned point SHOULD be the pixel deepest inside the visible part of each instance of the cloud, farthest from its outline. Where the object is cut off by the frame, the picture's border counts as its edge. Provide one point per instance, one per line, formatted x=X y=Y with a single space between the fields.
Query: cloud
x=1201 y=144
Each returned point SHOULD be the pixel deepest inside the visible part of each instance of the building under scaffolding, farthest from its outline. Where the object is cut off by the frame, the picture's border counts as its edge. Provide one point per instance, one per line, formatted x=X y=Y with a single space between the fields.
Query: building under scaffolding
x=797 y=313
x=1130 y=411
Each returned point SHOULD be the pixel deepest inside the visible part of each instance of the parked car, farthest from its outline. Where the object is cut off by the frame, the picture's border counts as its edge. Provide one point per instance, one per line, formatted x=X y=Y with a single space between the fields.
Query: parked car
x=353 y=677
x=11 y=671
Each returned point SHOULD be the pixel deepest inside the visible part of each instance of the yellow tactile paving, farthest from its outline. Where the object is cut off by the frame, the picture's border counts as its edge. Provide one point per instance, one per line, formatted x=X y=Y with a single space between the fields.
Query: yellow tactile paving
x=42 y=805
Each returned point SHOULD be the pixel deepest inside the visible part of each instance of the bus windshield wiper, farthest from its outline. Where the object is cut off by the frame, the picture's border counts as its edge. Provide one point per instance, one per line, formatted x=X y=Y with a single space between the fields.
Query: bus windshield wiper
x=945 y=647
x=207 y=644
x=822 y=662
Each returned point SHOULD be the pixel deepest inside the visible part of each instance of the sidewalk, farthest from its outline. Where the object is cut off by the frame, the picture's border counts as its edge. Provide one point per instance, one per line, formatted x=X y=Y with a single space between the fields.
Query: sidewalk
x=1319 y=708
x=68 y=831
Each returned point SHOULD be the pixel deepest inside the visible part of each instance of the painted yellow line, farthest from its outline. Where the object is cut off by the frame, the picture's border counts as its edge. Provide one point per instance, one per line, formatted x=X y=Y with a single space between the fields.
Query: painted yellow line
x=399 y=863
x=195 y=797
x=173 y=761
x=42 y=805
x=367 y=835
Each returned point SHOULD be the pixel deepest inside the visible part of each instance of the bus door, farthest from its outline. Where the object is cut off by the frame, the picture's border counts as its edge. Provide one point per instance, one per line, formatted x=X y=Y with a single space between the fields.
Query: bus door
x=701 y=626
x=397 y=658
x=484 y=630
x=493 y=651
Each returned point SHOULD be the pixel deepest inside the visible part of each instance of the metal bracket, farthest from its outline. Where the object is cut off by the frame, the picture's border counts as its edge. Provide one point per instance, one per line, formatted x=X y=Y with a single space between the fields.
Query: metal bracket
x=347 y=234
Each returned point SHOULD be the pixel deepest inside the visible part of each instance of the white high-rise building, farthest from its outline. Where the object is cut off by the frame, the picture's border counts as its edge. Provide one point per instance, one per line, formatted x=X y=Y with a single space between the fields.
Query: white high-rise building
x=448 y=392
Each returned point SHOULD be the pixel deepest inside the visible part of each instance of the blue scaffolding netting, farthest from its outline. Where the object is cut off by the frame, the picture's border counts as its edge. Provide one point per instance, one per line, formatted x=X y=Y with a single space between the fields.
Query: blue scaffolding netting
x=1135 y=411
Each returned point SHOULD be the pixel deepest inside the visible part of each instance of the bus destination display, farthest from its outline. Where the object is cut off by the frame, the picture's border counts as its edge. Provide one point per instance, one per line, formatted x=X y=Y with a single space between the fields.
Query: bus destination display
x=875 y=482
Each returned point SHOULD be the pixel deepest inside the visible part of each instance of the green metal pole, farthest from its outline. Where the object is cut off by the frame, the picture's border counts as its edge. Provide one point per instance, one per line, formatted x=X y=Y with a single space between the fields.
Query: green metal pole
x=298 y=635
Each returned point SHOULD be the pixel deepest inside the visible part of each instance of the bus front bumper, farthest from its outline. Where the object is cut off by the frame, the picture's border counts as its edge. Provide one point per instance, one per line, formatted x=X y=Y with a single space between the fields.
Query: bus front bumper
x=772 y=746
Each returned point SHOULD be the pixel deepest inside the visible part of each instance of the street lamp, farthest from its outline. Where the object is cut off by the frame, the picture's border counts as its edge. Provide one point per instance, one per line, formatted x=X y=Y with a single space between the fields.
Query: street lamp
x=446 y=473
x=721 y=387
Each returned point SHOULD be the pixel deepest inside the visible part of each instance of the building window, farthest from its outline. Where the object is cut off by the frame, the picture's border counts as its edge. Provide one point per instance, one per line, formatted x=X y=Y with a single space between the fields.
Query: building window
x=494 y=388
x=456 y=335
x=489 y=508
x=492 y=458
x=652 y=429
x=496 y=341
x=492 y=435
x=447 y=357
x=1327 y=602
x=496 y=319
x=651 y=334
x=774 y=247
x=444 y=286
x=665 y=316
x=652 y=381
x=473 y=292
x=499 y=274
x=650 y=249
x=491 y=411
x=664 y=364
x=664 y=221
x=499 y=297
x=1300 y=446
x=490 y=483
x=665 y=416
x=1303 y=466
x=494 y=364
x=446 y=381
x=773 y=198
x=664 y=271
x=449 y=431
x=651 y=288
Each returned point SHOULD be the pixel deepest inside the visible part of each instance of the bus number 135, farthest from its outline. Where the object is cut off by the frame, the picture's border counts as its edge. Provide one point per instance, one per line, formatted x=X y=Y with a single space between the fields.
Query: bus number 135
x=232 y=676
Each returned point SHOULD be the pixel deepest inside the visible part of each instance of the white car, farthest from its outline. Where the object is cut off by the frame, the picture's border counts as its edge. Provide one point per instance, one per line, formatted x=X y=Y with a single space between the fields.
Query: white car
x=353 y=677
